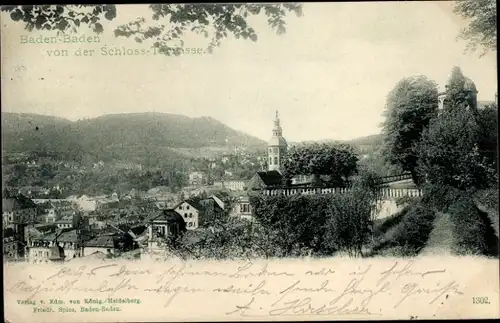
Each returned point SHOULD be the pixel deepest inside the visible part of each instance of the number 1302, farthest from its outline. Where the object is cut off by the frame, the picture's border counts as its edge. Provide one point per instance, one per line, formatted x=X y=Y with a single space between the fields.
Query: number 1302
x=480 y=300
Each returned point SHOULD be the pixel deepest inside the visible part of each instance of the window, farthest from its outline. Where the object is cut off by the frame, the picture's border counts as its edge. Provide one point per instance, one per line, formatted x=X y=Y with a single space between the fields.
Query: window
x=275 y=150
x=190 y=224
x=190 y=215
x=180 y=207
x=245 y=208
x=187 y=207
x=270 y=160
x=270 y=150
x=275 y=160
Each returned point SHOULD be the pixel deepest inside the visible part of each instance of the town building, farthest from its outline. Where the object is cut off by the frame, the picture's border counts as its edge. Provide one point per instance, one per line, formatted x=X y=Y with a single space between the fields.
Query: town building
x=86 y=203
x=116 y=239
x=162 y=226
x=56 y=246
x=262 y=180
x=105 y=244
x=18 y=212
x=71 y=219
x=242 y=208
x=196 y=178
x=11 y=248
x=50 y=215
x=190 y=212
x=193 y=211
x=234 y=185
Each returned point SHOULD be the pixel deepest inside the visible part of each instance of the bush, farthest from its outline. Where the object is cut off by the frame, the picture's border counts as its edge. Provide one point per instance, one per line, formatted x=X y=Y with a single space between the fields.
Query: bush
x=404 y=200
x=450 y=152
x=348 y=224
x=440 y=197
x=415 y=229
x=412 y=232
x=316 y=224
x=383 y=225
x=297 y=222
x=232 y=238
x=469 y=228
x=489 y=198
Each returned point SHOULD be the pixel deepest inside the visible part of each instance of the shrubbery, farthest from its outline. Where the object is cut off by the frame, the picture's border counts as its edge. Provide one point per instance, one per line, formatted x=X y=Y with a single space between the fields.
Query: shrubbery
x=383 y=225
x=411 y=233
x=298 y=221
x=284 y=226
x=489 y=198
x=348 y=224
x=317 y=224
x=469 y=228
x=230 y=238
x=440 y=197
x=405 y=200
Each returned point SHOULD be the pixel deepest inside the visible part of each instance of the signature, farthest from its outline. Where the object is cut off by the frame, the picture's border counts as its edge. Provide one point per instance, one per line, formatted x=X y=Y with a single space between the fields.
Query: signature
x=303 y=306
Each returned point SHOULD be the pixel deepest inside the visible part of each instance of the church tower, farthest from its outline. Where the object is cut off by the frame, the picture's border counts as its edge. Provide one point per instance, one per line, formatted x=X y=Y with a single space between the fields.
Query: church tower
x=277 y=147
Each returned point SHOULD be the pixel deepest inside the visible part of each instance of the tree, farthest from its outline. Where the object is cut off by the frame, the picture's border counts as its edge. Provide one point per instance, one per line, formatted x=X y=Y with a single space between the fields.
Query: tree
x=450 y=154
x=296 y=222
x=229 y=238
x=488 y=133
x=410 y=106
x=348 y=221
x=214 y=21
x=482 y=29
x=377 y=163
x=338 y=162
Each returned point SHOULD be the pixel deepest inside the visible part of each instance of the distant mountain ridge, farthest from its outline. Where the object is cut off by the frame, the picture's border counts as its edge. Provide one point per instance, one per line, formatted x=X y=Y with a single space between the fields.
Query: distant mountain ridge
x=119 y=136
x=374 y=140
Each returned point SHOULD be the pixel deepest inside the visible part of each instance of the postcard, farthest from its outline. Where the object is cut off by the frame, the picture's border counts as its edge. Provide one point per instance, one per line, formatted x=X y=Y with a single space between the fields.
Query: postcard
x=250 y=161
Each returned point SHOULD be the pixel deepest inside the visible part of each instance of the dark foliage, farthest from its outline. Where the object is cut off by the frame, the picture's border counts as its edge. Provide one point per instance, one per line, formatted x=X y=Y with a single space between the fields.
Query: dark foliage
x=481 y=32
x=440 y=197
x=410 y=107
x=170 y=21
x=337 y=161
x=472 y=229
x=411 y=233
x=450 y=154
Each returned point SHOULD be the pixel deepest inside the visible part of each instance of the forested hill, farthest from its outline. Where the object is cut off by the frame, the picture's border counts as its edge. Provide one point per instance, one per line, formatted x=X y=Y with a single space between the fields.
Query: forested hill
x=131 y=137
x=370 y=142
x=374 y=141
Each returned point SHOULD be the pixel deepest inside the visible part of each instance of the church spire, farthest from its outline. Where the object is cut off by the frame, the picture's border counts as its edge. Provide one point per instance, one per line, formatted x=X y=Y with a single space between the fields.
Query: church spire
x=277 y=131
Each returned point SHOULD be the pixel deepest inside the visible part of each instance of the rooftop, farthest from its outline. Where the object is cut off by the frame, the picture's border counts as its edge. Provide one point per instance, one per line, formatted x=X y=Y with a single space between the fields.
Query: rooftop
x=271 y=177
x=18 y=202
x=63 y=236
x=169 y=216
x=101 y=241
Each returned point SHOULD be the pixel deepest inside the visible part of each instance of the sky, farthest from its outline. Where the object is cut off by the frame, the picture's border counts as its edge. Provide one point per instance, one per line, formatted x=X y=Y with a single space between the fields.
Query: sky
x=328 y=75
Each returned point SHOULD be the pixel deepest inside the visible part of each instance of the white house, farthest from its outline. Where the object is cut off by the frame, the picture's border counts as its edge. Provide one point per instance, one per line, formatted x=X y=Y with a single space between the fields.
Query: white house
x=242 y=208
x=235 y=185
x=196 y=178
x=190 y=213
